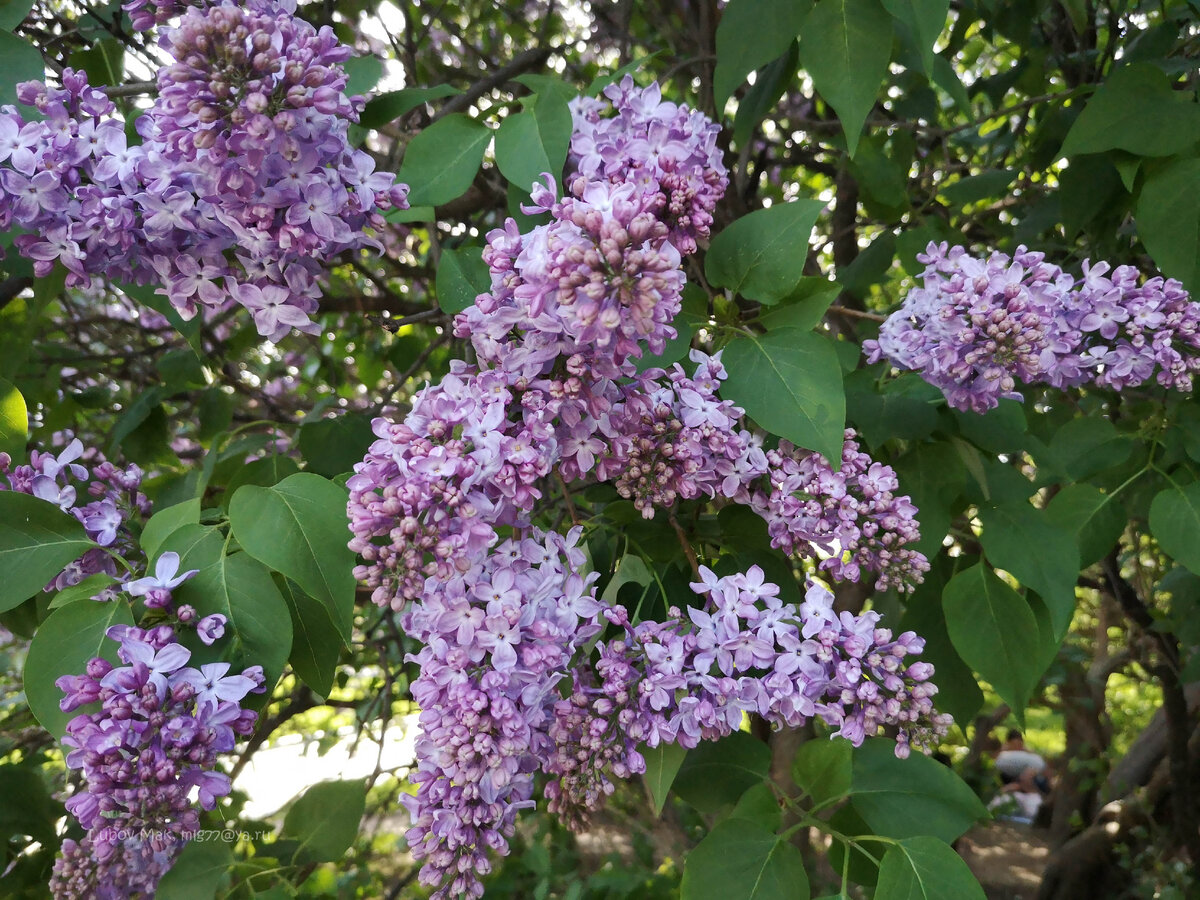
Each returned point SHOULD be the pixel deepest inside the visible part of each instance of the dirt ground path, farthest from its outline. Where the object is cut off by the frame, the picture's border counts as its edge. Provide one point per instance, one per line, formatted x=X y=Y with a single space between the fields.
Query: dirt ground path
x=1007 y=859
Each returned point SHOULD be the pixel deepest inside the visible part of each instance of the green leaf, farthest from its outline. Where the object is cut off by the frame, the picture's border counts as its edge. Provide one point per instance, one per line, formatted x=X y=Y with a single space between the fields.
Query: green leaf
x=462 y=276
x=1009 y=534
x=37 y=539
x=166 y=521
x=918 y=795
x=147 y=402
x=325 y=820
x=978 y=187
x=761 y=255
x=760 y=806
x=1175 y=523
x=790 y=383
x=85 y=590
x=148 y=295
x=716 y=774
x=316 y=644
x=1091 y=516
x=535 y=141
x=387 y=107
x=772 y=82
x=750 y=34
x=13 y=13
x=268 y=471
x=846 y=46
x=934 y=476
x=198 y=873
x=14 y=421
x=331 y=447
x=804 y=307
x=924 y=868
x=925 y=19
x=363 y=74
x=741 y=860
x=239 y=587
x=958 y=691
x=823 y=768
x=662 y=765
x=440 y=163
x=19 y=61
x=63 y=645
x=1135 y=110
x=103 y=62
x=995 y=632
x=1169 y=223
x=298 y=528
x=27 y=808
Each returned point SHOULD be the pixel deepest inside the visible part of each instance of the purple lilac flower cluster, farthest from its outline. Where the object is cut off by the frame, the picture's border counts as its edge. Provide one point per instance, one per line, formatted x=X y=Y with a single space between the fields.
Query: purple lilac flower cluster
x=156 y=738
x=497 y=639
x=669 y=151
x=979 y=327
x=110 y=498
x=851 y=516
x=244 y=184
x=694 y=677
x=441 y=512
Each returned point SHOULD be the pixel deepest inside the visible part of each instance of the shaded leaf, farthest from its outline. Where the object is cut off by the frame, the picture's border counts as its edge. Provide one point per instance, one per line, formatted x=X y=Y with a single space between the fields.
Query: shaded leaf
x=761 y=255
x=440 y=163
x=790 y=383
x=37 y=539
x=995 y=632
x=63 y=645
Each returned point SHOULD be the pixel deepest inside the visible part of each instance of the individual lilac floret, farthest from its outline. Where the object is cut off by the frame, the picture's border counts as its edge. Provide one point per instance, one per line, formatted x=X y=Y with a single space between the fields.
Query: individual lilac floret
x=101 y=496
x=158 y=587
x=210 y=629
x=978 y=328
x=157 y=737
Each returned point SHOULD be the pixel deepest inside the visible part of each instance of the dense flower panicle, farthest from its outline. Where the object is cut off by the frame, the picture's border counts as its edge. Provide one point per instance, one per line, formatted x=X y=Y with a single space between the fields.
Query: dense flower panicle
x=666 y=149
x=978 y=328
x=695 y=676
x=244 y=184
x=852 y=514
x=425 y=500
x=601 y=280
x=103 y=497
x=153 y=744
x=671 y=438
x=497 y=639
x=510 y=685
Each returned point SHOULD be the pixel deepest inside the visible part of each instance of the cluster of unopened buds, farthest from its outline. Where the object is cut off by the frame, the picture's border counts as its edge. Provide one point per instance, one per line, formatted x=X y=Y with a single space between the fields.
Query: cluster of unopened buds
x=244 y=184
x=442 y=513
x=979 y=328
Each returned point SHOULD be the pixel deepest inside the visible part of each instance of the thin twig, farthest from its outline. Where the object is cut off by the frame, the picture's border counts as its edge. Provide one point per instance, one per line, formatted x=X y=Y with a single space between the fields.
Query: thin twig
x=857 y=313
x=132 y=89
x=685 y=544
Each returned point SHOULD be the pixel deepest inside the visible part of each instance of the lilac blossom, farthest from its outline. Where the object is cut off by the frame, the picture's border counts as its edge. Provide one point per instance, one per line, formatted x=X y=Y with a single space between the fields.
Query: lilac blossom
x=979 y=328
x=244 y=185
x=157 y=736
x=101 y=496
